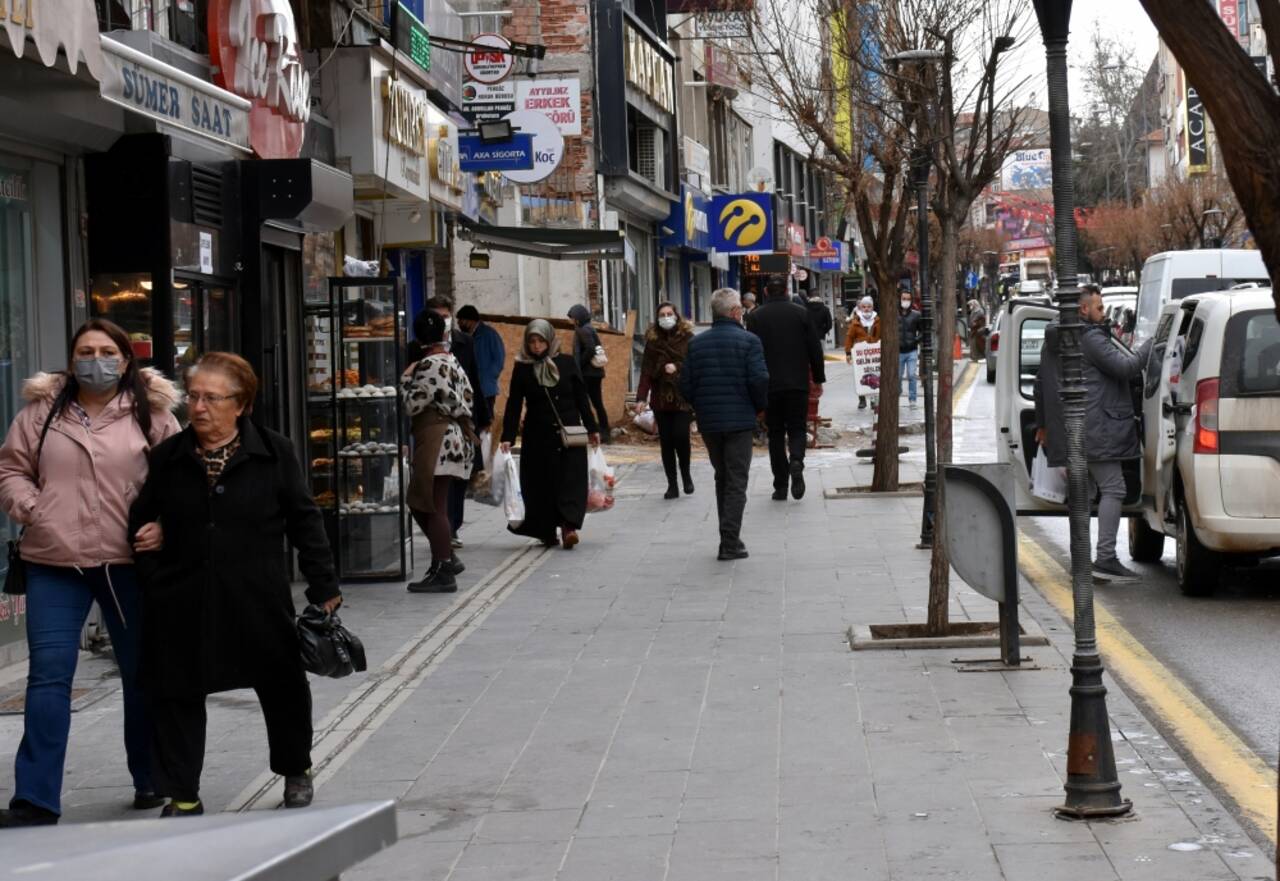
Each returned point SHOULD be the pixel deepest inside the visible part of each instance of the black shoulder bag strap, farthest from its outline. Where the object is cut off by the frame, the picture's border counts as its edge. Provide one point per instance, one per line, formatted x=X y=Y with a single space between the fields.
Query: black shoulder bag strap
x=44 y=431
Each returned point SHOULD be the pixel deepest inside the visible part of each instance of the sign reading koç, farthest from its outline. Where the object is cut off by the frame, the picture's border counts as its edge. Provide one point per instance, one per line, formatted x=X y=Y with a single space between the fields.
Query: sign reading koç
x=489 y=60
x=548 y=145
x=515 y=155
x=140 y=83
x=649 y=69
x=254 y=47
x=558 y=100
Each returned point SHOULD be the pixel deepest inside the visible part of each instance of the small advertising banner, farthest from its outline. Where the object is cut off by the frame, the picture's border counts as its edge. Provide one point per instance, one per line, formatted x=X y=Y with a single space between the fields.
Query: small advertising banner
x=514 y=155
x=558 y=100
x=866 y=368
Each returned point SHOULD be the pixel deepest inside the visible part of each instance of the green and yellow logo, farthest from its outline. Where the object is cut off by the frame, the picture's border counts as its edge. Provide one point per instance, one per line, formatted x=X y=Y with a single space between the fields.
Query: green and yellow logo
x=744 y=222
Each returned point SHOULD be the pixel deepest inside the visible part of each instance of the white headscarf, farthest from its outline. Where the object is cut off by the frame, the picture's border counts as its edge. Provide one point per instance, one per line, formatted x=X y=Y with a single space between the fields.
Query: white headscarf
x=868 y=321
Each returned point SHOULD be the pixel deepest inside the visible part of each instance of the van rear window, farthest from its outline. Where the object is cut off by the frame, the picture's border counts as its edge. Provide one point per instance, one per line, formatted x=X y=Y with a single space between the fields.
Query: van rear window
x=1251 y=355
x=1185 y=287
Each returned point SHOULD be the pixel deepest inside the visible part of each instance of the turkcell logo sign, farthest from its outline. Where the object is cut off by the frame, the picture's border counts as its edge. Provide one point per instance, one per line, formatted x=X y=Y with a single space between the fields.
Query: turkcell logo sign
x=516 y=154
x=742 y=223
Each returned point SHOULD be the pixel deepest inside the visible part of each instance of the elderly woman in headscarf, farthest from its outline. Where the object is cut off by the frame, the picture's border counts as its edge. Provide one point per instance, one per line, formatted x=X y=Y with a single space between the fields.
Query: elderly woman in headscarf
x=977 y=330
x=864 y=327
x=548 y=389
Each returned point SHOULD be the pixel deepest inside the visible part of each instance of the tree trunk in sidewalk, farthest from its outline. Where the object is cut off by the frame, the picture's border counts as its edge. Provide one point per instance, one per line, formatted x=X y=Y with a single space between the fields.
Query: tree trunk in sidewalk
x=885 y=475
x=945 y=322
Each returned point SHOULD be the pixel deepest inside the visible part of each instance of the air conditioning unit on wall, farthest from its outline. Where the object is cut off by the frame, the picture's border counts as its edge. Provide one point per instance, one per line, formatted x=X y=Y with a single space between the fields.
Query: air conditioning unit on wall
x=651 y=155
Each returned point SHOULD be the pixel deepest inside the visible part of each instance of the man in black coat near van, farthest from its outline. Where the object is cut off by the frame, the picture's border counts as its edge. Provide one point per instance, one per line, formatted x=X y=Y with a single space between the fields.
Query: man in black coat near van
x=793 y=354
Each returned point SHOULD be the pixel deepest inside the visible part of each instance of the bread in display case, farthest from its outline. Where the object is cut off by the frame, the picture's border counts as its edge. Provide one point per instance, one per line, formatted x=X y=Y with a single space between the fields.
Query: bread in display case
x=356 y=426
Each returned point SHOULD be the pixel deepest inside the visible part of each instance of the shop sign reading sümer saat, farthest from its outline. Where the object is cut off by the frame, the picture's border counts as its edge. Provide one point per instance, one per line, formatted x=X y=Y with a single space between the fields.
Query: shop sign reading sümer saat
x=254 y=46
x=648 y=69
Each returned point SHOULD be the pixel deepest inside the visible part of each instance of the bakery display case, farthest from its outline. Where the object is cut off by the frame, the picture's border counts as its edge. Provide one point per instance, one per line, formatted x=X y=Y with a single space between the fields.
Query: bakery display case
x=356 y=425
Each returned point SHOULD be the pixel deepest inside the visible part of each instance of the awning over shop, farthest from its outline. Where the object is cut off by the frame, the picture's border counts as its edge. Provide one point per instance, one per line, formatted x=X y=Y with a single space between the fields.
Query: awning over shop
x=550 y=243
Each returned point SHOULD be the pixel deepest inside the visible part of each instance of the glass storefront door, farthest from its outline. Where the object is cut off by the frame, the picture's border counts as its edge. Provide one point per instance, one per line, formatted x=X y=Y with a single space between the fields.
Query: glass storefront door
x=16 y=284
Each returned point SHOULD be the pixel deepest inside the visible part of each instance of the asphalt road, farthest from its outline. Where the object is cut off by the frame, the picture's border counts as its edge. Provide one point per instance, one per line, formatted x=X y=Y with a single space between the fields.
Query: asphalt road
x=1222 y=647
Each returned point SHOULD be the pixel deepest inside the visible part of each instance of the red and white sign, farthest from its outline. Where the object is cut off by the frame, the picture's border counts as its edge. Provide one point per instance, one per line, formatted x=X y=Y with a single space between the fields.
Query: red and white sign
x=254 y=47
x=558 y=100
x=1229 y=10
x=489 y=60
x=795 y=239
x=823 y=249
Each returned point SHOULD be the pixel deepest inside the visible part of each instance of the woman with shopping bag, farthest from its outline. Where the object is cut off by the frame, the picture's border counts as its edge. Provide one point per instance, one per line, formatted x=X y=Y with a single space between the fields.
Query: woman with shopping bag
x=548 y=390
x=665 y=346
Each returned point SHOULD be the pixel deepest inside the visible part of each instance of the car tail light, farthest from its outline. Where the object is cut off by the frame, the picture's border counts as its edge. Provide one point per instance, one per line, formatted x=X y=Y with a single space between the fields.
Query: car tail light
x=1206 y=416
x=994 y=343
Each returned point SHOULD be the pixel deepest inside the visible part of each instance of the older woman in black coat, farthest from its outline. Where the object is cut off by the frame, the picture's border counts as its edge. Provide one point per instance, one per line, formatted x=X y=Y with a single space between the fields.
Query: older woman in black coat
x=549 y=389
x=216 y=597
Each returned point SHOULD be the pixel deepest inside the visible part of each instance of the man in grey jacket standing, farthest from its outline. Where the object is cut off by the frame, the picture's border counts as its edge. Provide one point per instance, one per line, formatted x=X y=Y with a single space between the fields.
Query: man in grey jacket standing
x=1111 y=428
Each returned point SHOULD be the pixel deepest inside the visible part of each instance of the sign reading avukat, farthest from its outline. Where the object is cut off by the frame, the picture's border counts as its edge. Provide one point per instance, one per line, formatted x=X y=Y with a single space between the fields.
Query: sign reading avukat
x=71 y=25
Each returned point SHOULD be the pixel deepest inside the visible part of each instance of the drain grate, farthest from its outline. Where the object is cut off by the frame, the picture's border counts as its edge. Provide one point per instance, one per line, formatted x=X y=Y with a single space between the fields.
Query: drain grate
x=13 y=701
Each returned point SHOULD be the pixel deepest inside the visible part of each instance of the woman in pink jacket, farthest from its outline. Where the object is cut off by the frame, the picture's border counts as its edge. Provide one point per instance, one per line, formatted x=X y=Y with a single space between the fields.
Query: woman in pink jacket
x=71 y=465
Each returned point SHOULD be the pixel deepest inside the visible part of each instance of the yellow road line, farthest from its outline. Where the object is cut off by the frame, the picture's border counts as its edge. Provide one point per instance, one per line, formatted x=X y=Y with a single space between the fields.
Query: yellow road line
x=1246 y=779
x=966 y=380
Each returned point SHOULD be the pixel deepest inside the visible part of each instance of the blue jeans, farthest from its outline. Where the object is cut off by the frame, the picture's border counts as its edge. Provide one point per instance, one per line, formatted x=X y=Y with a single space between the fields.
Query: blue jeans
x=58 y=603
x=907 y=371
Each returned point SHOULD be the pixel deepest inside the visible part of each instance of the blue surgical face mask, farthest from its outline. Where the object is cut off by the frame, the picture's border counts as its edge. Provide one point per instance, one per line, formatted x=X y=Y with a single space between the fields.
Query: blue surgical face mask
x=98 y=374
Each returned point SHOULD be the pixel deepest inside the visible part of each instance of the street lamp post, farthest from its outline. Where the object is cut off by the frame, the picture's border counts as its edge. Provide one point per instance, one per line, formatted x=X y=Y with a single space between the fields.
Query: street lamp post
x=1211 y=232
x=920 y=164
x=1092 y=787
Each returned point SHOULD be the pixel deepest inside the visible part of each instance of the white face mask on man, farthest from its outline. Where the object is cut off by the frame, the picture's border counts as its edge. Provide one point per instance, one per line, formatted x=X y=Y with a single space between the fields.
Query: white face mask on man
x=906 y=303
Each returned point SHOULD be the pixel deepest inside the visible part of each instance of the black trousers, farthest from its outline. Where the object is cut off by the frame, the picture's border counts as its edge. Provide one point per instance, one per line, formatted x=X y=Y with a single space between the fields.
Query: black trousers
x=730 y=454
x=457 y=502
x=787 y=434
x=673 y=433
x=178 y=736
x=595 y=391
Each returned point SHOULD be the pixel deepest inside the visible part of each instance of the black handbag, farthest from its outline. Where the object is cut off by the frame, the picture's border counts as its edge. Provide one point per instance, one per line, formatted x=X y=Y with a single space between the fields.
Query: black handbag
x=15 y=577
x=328 y=648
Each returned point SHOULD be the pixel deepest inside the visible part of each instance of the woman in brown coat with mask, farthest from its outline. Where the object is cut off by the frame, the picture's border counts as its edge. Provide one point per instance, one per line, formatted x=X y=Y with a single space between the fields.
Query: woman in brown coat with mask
x=665 y=346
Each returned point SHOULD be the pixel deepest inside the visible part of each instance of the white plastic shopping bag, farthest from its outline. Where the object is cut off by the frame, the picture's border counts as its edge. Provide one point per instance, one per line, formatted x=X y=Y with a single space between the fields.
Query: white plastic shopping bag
x=482 y=482
x=600 y=482
x=646 y=421
x=1048 y=484
x=506 y=480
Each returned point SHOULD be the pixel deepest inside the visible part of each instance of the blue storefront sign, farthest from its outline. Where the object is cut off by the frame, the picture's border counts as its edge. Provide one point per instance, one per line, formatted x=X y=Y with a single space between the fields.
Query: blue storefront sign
x=689 y=222
x=513 y=155
x=827 y=256
x=742 y=223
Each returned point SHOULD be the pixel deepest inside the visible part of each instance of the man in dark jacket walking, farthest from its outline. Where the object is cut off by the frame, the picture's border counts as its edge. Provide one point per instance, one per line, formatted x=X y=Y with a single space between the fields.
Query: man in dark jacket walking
x=490 y=351
x=585 y=342
x=908 y=343
x=1111 y=430
x=725 y=379
x=820 y=315
x=794 y=355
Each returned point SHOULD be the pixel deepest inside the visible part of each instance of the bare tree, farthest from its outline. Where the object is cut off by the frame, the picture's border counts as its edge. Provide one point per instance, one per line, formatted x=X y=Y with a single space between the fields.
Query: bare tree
x=1117 y=116
x=1244 y=106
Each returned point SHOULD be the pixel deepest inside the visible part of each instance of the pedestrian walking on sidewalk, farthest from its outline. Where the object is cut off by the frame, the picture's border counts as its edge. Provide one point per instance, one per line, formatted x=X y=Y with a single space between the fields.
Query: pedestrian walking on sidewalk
x=864 y=328
x=438 y=398
x=820 y=317
x=908 y=342
x=70 y=465
x=548 y=389
x=490 y=351
x=666 y=345
x=463 y=350
x=588 y=352
x=794 y=357
x=216 y=597
x=1111 y=428
x=727 y=383
x=977 y=331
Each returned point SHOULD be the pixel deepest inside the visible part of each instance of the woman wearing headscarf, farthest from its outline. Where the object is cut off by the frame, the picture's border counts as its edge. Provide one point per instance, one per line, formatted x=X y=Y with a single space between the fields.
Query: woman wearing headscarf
x=864 y=327
x=665 y=346
x=547 y=387
x=977 y=331
x=439 y=399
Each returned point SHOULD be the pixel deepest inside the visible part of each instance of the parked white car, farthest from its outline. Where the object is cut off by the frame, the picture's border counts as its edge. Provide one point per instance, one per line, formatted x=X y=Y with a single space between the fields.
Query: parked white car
x=1172 y=275
x=1117 y=301
x=1211 y=411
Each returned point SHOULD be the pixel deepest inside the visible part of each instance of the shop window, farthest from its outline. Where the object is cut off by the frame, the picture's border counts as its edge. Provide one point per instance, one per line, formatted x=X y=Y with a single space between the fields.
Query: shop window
x=125 y=298
x=181 y=21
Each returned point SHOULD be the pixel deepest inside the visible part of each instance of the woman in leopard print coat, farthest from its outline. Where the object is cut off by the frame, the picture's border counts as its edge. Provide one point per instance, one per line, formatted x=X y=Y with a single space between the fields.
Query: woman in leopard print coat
x=438 y=397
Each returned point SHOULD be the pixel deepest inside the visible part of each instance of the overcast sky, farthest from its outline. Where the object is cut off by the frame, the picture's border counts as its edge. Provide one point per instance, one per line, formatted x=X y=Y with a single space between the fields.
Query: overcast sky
x=1125 y=20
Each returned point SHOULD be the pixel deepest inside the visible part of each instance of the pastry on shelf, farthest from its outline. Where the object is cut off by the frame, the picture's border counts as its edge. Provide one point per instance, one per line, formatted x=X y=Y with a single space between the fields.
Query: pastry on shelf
x=322 y=434
x=326 y=498
x=322 y=462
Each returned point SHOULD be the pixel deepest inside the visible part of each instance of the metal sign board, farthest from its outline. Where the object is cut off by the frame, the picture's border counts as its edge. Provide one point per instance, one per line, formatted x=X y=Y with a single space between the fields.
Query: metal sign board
x=489 y=60
x=515 y=155
x=548 y=146
x=742 y=223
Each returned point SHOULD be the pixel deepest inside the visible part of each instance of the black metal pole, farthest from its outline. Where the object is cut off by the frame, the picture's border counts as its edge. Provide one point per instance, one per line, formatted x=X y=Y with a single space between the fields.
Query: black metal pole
x=920 y=176
x=1092 y=787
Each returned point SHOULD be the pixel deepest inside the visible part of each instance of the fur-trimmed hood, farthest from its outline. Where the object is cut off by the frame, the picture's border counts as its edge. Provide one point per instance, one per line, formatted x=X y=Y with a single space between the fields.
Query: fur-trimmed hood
x=162 y=394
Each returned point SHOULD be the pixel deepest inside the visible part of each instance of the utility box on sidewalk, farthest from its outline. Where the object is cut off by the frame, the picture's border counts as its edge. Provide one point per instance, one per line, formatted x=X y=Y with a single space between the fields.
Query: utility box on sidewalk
x=982 y=541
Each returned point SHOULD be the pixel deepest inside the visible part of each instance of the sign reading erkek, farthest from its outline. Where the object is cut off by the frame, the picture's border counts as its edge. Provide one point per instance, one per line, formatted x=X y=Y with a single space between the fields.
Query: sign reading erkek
x=558 y=100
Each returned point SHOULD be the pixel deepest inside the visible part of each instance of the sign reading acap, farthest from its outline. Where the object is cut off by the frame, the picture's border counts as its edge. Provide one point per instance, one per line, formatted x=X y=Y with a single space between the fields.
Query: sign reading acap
x=254 y=45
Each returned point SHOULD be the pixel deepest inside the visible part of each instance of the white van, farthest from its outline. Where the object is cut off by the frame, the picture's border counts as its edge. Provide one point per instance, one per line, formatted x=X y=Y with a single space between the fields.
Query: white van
x=1173 y=275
